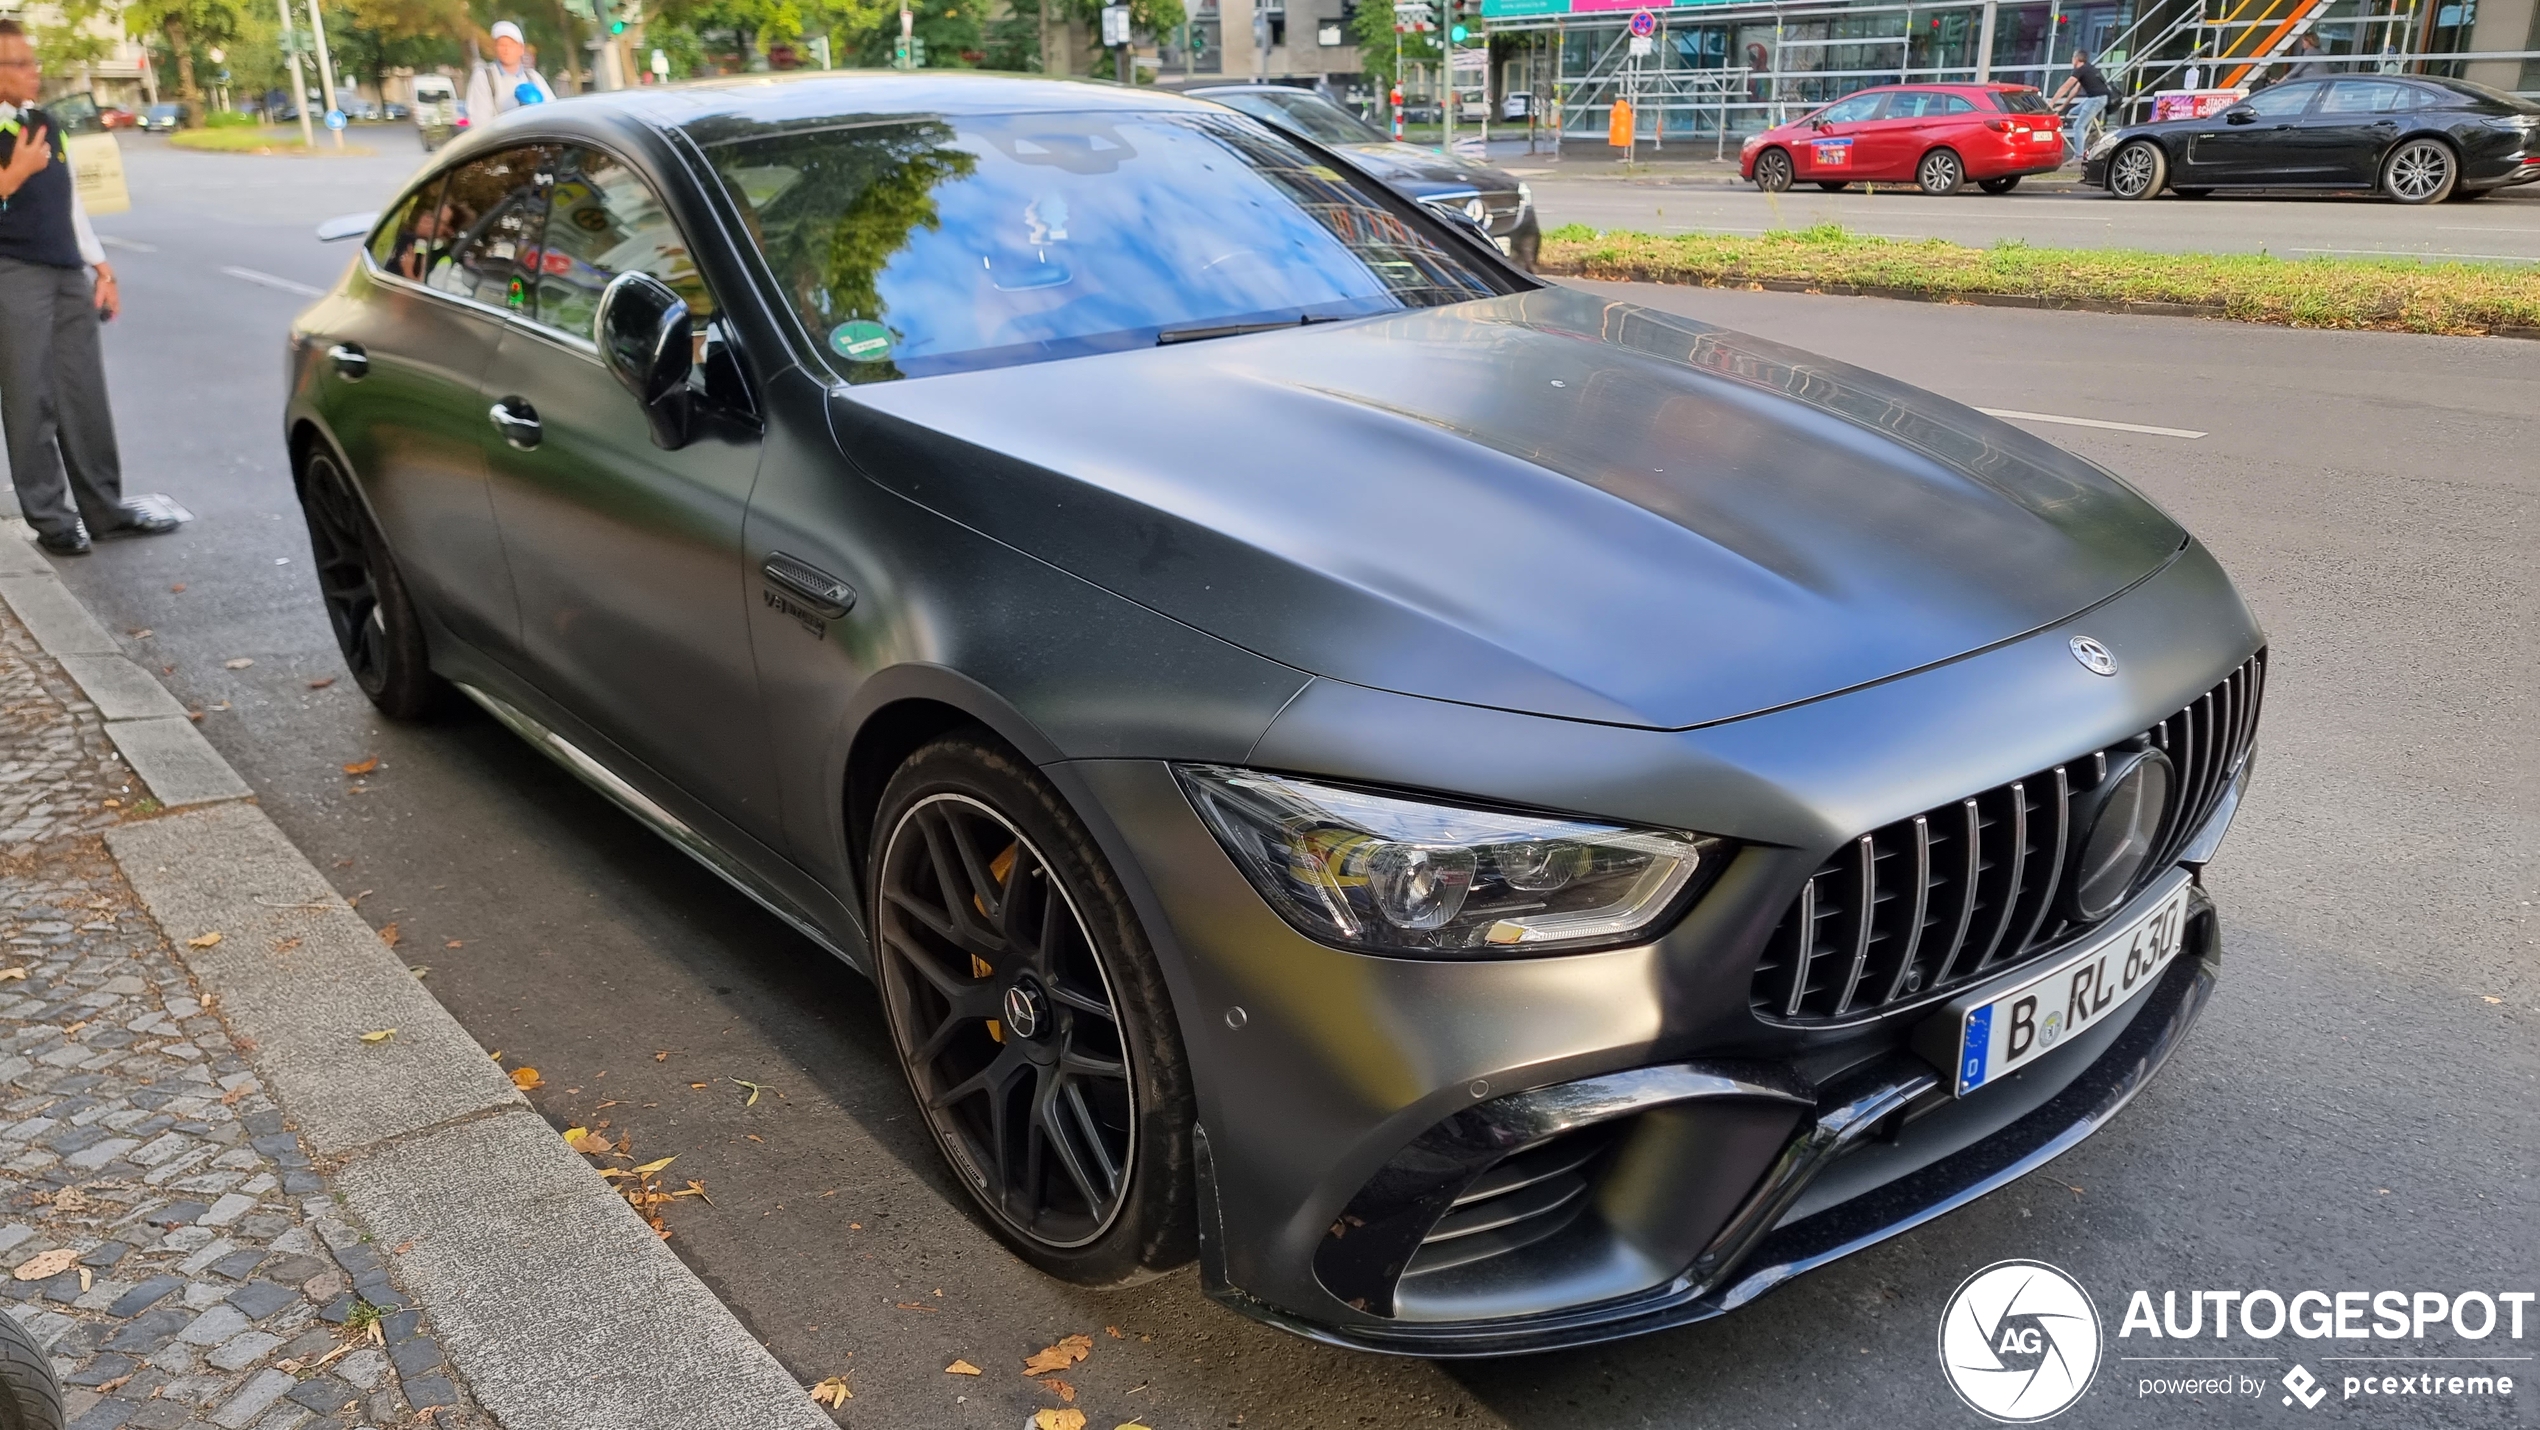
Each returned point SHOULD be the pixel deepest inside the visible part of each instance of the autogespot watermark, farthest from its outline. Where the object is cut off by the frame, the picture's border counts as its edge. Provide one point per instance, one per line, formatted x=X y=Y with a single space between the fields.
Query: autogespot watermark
x=2021 y=1342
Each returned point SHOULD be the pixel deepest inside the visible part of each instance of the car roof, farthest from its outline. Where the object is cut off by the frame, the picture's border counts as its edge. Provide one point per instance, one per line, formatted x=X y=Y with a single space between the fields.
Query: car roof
x=812 y=96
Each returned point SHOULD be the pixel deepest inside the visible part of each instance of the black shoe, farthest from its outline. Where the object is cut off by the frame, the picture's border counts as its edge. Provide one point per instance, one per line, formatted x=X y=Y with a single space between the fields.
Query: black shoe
x=73 y=542
x=136 y=519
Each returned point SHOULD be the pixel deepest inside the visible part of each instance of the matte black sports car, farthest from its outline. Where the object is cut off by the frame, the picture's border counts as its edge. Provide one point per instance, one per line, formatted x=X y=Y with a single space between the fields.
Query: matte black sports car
x=1492 y=817
x=2419 y=139
x=1498 y=201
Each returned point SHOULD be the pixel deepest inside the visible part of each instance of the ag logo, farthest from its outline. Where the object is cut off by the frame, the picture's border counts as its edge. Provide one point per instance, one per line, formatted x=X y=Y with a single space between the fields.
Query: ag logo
x=2019 y=1341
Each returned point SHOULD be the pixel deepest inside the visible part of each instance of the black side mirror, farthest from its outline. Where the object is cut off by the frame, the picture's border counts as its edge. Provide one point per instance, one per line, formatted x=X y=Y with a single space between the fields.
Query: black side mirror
x=1819 y=125
x=646 y=341
x=2240 y=114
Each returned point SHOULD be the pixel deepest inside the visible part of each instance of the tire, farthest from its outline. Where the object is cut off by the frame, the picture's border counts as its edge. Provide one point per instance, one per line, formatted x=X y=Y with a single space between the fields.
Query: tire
x=2138 y=170
x=1834 y=186
x=2462 y=194
x=30 y=1398
x=1095 y=1186
x=1941 y=173
x=2421 y=171
x=1772 y=170
x=2002 y=185
x=375 y=623
x=2194 y=193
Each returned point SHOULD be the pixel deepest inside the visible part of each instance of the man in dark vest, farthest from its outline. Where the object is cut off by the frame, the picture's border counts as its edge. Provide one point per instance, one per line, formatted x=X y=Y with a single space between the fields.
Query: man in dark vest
x=61 y=434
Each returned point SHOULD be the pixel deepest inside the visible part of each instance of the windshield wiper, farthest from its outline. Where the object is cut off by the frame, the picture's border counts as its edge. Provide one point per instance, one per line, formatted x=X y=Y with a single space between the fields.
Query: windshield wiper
x=1235 y=330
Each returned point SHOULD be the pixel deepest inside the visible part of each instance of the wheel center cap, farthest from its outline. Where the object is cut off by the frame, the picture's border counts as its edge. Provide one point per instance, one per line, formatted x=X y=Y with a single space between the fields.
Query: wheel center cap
x=1023 y=1009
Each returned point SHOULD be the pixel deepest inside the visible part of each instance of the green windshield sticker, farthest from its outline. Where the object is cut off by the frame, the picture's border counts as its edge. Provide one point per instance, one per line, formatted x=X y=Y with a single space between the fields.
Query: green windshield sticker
x=861 y=341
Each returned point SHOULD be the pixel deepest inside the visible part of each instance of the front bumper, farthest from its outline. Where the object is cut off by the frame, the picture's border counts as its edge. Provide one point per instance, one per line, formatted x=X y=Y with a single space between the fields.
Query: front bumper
x=1347 y=1102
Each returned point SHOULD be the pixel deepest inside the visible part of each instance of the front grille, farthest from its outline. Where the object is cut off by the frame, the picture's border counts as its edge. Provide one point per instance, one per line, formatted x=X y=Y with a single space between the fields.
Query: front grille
x=1966 y=890
x=1518 y=1202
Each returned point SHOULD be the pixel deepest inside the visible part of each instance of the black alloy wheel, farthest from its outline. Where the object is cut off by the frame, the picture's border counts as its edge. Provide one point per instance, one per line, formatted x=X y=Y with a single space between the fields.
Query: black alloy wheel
x=1834 y=186
x=366 y=603
x=2421 y=171
x=2138 y=170
x=1941 y=173
x=1029 y=1016
x=1772 y=171
x=2002 y=185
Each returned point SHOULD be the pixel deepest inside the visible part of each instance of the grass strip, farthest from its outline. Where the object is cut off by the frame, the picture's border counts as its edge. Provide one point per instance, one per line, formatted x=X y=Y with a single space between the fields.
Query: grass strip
x=2389 y=295
x=232 y=140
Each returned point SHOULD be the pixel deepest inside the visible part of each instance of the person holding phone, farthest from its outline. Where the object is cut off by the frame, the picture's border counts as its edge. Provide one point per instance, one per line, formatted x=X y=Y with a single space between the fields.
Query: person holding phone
x=506 y=82
x=60 y=430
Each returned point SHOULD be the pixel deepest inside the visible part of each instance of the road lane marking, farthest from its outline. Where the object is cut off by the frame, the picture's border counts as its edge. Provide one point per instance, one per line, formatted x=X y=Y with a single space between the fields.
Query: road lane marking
x=2087 y=422
x=2403 y=253
x=133 y=245
x=270 y=281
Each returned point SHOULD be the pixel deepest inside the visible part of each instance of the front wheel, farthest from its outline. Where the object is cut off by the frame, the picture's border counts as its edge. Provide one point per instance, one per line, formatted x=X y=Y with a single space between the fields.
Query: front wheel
x=1772 y=171
x=2002 y=185
x=375 y=623
x=1031 y=1017
x=1941 y=173
x=2421 y=171
x=2138 y=170
x=30 y=1396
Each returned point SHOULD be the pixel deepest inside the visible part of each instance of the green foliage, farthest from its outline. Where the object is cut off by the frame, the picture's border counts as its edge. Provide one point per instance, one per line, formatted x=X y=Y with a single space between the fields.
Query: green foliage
x=81 y=33
x=1571 y=233
x=1373 y=28
x=1013 y=38
x=228 y=119
x=950 y=28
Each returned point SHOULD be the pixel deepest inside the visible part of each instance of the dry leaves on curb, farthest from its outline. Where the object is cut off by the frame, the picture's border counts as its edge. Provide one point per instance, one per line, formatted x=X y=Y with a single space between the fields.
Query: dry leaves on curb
x=527 y=1079
x=203 y=940
x=388 y=934
x=1067 y=1352
x=961 y=1367
x=1061 y=1389
x=362 y=766
x=380 y=1036
x=754 y=1088
x=1058 y=1420
x=45 y=1265
x=7 y=974
x=833 y=1392
x=640 y=1185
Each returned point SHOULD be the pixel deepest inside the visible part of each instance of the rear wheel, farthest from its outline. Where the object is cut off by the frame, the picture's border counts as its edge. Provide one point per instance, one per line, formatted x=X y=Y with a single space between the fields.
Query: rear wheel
x=1772 y=171
x=1941 y=173
x=1834 y=186
x=1030 y=1016
x=30 y=1397
x=375 y=623
x=2138 y=170
x=2002 y=185
x=2421 y=171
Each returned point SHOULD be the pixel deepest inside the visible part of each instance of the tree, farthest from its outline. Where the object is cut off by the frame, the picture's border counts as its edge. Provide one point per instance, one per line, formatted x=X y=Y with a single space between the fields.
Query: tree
x=77 y=39
x=183 y=24
x=1373 y=27
x=371 y=37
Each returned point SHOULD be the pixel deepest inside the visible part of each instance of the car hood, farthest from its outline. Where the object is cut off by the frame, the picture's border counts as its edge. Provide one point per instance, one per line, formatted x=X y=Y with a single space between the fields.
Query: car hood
x=1420 y=171
x=1548 y=502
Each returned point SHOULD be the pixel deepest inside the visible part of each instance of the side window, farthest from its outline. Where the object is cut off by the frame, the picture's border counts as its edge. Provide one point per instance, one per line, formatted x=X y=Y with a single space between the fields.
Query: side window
x=2365 y=96
x=606 y=221
x=2284 y=101
x=487 y=224
x=1911 y=104
x=1852 y=111
x=396 y=233
x=1956 y=104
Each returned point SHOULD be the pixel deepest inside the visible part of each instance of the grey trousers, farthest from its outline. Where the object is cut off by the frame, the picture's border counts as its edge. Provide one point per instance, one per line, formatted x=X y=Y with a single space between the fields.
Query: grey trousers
x=53 y=399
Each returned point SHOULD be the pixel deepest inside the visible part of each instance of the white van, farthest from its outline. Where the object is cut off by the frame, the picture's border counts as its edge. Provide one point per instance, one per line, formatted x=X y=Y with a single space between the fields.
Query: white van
x=436 y=109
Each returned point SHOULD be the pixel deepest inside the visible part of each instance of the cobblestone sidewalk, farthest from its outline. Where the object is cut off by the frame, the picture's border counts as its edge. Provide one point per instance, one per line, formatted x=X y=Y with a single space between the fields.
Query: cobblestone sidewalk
x=162 y=1232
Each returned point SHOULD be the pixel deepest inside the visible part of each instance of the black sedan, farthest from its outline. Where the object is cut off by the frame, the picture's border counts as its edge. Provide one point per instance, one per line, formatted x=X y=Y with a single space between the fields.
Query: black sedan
x=1504 y=207
x=1490 y=817
x=2418 y=139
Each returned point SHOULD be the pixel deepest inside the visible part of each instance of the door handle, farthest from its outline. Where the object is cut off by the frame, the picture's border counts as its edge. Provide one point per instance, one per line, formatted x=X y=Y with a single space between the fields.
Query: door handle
x=351 y=363
x=809 y=584
x=517 y=421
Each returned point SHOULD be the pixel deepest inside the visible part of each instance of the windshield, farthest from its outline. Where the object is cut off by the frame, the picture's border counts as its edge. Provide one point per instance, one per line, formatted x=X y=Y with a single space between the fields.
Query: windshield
x=2021 y=101
x=919 y=246
x=1311 y=115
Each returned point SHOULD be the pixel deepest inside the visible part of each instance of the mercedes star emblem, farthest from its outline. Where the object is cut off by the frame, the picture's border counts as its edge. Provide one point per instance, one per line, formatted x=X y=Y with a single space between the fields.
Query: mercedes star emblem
x=2093 y=656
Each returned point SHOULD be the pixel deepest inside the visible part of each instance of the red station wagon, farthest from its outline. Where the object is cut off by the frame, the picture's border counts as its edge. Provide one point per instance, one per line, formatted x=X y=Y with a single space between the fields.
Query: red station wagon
x=1935 y=135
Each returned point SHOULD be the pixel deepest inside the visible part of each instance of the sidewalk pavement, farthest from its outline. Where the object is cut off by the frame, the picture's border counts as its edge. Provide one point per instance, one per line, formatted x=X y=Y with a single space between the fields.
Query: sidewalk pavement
x=252 y=1176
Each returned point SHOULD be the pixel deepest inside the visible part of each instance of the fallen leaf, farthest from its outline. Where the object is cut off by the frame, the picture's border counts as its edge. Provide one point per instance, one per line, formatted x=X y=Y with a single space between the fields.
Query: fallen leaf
x=113 y=804
x=753 y=1136
x=194 y=715
x=45 y=1265
x=695 y=1189
x=855 y=1226
x=961 y=1367
x=1112 y=1331
x=142 y=633
x=1131 y=1425
x=383 y=1035
x=1061 y=1389
x=322 y=682
x=755 y=1090
x=527 y=1079
x=1067 y=1352
x=421 y=970
x=7 y=974
x=832 y=1392
x=455 y=943
x=388 y=934
x=231 y=1097
x=661 y=1057
x=202 y=940
x=69 y=1199
x=2490 y=1000
x=1058 y=1420
x=403 y=1247
x=239 y=664
x=285 y=945
x=178 y=588
x=362 y=767
x=242 y=1042
x=696 y=1084
x=651 y=1167
x=916 y=1306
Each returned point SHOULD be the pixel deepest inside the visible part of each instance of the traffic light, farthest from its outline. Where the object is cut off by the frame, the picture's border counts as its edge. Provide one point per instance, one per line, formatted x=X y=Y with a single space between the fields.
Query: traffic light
x=1457 y=34
x=617 y=27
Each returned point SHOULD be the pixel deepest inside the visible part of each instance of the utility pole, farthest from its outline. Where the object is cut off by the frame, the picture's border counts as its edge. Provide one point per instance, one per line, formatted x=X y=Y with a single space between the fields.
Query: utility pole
x=326 y=74
x=299 y=86
x=908 y=38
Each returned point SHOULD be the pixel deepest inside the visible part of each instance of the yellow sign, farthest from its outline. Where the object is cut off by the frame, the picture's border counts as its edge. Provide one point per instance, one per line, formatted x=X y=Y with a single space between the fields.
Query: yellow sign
x=97 y=169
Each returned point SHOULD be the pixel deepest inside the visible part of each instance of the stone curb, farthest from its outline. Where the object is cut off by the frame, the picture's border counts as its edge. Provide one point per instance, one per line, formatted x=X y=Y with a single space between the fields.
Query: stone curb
x=1980 y=300
x=557 y=1303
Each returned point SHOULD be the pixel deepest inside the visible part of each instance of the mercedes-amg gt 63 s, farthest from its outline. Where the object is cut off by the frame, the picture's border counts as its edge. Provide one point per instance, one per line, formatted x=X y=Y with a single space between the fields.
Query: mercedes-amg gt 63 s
x=1490 y=817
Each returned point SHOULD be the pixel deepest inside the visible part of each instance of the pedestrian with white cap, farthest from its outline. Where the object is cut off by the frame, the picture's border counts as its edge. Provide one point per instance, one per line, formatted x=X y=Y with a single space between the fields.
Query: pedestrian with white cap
x=505 y=83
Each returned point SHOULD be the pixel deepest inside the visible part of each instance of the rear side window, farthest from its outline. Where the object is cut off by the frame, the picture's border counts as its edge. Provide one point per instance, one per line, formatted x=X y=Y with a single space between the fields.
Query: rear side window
x=1912 y=104
x=603 y=220
x=2020 y=101
x=487 y=224
x=1956 y=104
x=2367 y=96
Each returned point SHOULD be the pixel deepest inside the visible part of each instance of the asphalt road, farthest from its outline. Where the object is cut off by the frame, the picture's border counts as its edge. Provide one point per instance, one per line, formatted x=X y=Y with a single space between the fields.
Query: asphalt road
x=2501 y=227
x=2357 y=1111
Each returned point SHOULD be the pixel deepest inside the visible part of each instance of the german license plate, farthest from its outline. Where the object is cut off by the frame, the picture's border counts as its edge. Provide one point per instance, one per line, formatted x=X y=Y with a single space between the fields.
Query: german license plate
x=2009 y=1031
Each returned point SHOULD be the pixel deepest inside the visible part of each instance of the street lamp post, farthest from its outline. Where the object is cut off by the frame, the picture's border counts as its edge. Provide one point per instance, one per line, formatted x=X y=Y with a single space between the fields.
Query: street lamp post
x=326 y=76
x=299 y=86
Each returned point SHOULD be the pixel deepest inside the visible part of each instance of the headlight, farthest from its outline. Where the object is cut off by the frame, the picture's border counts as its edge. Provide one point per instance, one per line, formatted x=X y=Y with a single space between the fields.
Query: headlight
x=1525 y=196
x=2100 y=146
x=1387 y=875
